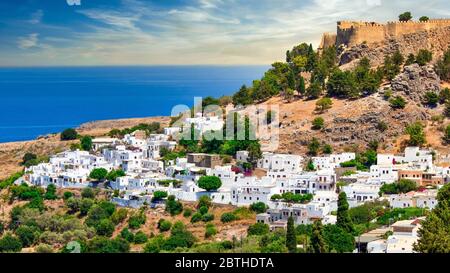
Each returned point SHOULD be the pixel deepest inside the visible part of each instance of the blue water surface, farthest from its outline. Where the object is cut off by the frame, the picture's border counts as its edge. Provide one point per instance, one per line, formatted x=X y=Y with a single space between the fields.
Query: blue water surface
x=38 y=101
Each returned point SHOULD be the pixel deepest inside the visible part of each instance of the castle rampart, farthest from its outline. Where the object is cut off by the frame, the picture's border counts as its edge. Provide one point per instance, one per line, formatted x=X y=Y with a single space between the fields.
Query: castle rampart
x=350 y=33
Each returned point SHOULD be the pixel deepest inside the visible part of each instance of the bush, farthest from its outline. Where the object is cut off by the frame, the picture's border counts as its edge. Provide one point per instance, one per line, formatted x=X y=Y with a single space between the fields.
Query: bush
x=100 y=244
x=88 y=193
x=173 y=206
x=318 y=123
x=323 y=104
x=67 y=195
x=208 y=217
x=180 y=237
x=137 y=220
x=258 y=229
x=86 y=143
x=423 y=57
x=402 y=186
x=313 y=147
x=44 y=248
x=10 y=243
x=140 y=238
x=416 y=134
x=127 y=235
x=113 y=174
x=228 y=217
x=98 y=174
x=259 y=207
x=187 y=212
x=203 y=210
x=447 y=134
x=209 y=183
x=404 y=17
x=119 y=216
x=27 y=235
x=159 y=195
x=85 y=205
x=196 y=217
x=105 y=228
x=69 y=134
x=50 y=194
x=431 y=99
x=397 y=102
x=210 y=230
x=164 y=225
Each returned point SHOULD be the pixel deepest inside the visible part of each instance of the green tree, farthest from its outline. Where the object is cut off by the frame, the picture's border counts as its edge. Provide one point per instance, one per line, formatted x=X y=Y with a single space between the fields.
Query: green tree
x=114 y=174
x=27 y=234
x=242 y=97
x=323 y=104
x=424 y=19
x=342 y=84
x=258 y=229
x=50 y=193
x=210 y=230
x=140 y=238
x=318 y=244
x=423 y=57
x=10 y=243
x=434 y=233
x=291 y=237
x=86 y=143
x=327 y=149
x=313 y=147
x=159 y=195
x=259 y=207
x=209 y=183
x=105 y=228
x=98 y=174
x=444 y=95
x=343 y=218
x=314 y=90
x=410 y=60
x=173 y=206
x=318 y=123
x=69 y=134
x=405 y=17
x=338 y=239
x=164 y=225
x=416 y=134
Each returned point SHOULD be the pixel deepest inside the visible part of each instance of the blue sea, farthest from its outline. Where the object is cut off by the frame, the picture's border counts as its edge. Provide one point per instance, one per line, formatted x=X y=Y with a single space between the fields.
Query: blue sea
x=38 y=101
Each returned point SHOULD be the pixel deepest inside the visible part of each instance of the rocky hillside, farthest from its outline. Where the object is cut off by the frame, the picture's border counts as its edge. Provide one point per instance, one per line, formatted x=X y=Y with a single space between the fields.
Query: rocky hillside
x=435 y=40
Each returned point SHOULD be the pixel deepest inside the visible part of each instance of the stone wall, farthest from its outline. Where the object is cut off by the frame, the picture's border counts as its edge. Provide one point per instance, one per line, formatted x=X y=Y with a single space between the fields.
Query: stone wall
x=353 y=33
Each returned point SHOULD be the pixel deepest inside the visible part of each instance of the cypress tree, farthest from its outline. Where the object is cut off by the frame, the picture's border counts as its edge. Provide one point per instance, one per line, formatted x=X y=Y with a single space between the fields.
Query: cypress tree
x=343 y=218
x=291 y=238
x=317 y=241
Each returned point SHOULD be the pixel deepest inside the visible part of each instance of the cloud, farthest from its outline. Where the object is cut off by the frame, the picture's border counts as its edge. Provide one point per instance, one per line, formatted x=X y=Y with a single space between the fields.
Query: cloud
x=36 y=17
x=29 y=41
x=204 y=31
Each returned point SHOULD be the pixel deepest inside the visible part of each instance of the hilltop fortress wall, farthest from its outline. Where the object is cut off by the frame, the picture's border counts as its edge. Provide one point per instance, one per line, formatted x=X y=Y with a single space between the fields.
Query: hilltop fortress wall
x=350 y=33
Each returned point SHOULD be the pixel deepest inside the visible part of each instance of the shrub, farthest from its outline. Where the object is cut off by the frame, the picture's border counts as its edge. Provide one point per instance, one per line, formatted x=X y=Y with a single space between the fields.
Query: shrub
x=258 y=207
x=210 y=230
x=137 y=220
x=228 y=217
x=207 y=217
x=397 y=102
x=209 y=183
x=323 y=104
x=88 y=193
x=187 y=212
x=447 y=134
x=50 y=194
x=416 y=134
x=173 y=206
x=10 y=243
x=164 y=225
x=318 y=123
x=67 y=195
x=127 y=235
x=313 y=147
x=203 y=210
x=431 y=99
x=27 y=235
x=159 y=195
x=98 y=174
x=258 y=229
x=86 y=143
x=196 y=217
x=404 y=17
x=382 y=126
x=69 y=134
x=44 y=248
x=423 y=57
x=140 y=238
x=119 y=216
x=105 y=228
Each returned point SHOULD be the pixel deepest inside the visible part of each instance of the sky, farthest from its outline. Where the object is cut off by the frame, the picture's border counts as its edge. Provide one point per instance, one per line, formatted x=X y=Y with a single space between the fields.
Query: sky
x=183 y=32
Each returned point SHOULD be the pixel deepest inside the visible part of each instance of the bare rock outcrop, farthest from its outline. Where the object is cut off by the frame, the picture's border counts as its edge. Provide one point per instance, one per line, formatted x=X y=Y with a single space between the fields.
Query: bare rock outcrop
x=415 y=81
